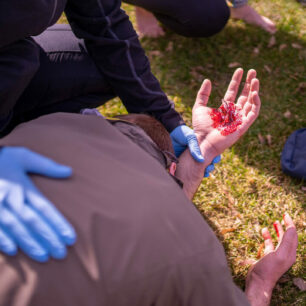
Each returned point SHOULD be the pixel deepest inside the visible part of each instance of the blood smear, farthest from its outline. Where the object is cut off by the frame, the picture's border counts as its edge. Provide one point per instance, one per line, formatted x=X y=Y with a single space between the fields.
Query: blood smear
x=226 y=118
x=276 y=228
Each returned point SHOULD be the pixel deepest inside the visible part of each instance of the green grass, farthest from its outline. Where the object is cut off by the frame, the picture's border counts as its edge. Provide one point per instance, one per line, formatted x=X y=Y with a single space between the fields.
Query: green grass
x=248 y=189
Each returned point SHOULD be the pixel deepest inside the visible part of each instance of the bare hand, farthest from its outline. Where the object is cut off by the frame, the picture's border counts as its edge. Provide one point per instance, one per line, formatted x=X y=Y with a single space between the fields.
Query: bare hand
x=235 y=119
x=275 y=261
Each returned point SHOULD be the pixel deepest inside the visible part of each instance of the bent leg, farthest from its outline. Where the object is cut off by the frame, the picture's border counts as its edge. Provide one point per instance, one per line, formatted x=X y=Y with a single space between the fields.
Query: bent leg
x=194 y=18
x=67 y=80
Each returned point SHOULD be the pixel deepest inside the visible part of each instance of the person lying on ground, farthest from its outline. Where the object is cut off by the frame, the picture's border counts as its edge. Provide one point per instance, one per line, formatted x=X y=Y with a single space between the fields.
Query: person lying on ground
x=140 y=240
x=194 y=18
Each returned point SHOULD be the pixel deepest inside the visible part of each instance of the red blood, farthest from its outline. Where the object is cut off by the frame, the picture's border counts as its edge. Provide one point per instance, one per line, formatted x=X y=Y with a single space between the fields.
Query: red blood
x=276 y=228
x=226 y=118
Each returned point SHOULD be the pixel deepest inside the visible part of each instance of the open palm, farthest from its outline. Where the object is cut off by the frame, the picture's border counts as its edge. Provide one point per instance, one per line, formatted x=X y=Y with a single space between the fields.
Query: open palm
x=219 y=129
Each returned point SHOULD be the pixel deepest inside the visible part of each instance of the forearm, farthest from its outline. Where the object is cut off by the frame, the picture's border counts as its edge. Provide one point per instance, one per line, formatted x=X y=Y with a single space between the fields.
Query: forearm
x=114 y=46
x=191 y=172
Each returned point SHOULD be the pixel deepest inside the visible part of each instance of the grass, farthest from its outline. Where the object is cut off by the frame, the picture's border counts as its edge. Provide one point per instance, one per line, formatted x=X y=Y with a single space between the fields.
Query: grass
x=248 y=189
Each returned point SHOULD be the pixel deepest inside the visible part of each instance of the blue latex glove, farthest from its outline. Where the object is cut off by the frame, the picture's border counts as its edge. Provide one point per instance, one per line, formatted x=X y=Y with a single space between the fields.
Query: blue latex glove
x=183 y=136
x=27 y=219
x=211 y=167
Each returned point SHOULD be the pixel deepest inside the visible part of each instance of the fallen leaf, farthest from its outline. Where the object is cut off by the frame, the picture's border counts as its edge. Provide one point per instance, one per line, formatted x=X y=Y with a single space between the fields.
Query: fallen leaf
x=268 y=69
x=282 y=47
x=209 y=65
x=260 y=250
x=301 y=87
x=269 y=139
x=300 y=283
x=196 y=75
x=296 y=46
x=287 y=114
x=247 y=262
x=170 y=47
x=272 y=42
x=284 y=279
x=228 y=230
x=303 y=188
x=200 y=69
x=234 y=64
x=154 y=53
x=256 y=51
x=261 y=139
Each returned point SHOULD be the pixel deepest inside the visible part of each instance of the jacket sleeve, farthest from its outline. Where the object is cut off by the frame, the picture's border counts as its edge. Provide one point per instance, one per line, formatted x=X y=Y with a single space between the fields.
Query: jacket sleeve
x=19 y=62
x=114 y=46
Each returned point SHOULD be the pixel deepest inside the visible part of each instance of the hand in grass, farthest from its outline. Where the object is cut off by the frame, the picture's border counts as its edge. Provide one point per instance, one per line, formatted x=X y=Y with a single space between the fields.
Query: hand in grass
x=264 y=273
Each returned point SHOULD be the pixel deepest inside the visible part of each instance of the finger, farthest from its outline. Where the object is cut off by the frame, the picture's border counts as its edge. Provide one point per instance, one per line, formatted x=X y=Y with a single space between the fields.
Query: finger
x=254 y=88
x=217 y=159
x=38 y=164
x=22 y=236
x=252 y=115
x=195 y=149
x=43 y=232
x=35 y=224
x=254 y=112
x=269 y=247
x=279 y=230
x=246 y=89
x=46 y=209
x=233 y=87
x=203 y=94
x=208 y=169
x=288 y=221
x=7 y=244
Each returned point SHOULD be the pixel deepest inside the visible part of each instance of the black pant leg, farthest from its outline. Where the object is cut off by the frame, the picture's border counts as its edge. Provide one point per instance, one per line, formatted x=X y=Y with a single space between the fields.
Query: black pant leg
x=191 y=18
x=67 y=80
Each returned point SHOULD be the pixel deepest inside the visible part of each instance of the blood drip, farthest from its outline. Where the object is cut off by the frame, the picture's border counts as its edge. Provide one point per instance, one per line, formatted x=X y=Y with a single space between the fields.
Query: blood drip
x=226 y=118
x=276 y=228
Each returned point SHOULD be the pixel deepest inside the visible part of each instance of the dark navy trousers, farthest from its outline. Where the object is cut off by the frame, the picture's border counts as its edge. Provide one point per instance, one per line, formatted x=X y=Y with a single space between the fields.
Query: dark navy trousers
x=67 y=79
x=191 y=18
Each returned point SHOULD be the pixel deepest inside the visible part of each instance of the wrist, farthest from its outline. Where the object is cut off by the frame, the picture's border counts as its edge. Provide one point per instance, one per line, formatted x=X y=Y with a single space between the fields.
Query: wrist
x=257 y=290
x=208 y=151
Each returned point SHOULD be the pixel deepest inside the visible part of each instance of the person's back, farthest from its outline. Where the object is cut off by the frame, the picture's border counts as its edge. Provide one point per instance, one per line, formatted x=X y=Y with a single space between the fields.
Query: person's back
x=140 y=240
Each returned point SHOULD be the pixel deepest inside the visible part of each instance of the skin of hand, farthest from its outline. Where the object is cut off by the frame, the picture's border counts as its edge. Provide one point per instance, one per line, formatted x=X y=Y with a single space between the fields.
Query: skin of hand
x=210 y=138
x=211 y=142
x=264 y=273
x=27 y=219
x=250 y=16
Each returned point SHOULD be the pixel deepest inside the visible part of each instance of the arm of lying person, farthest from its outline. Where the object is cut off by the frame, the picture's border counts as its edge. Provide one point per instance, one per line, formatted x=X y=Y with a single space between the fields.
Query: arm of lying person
x=27 y=219
x=218 y=129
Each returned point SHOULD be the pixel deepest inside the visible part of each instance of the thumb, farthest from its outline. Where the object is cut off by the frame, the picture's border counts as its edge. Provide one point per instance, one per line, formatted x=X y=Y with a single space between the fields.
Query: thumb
x=194 y=148
x=38 y=164
x=203 y=94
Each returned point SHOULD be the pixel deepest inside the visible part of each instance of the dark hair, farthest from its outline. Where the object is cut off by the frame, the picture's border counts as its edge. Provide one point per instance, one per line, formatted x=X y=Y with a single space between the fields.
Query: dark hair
x=153 y=128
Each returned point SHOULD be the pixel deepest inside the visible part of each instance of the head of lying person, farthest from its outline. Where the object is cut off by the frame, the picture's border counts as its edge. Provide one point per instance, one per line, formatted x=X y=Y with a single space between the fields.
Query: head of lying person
x=158 y=134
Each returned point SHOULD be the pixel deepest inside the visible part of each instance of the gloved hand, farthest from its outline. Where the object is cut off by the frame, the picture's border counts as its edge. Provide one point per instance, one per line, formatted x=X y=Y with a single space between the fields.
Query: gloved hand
x=211 y=167
x=27 y=219
x=183 y=136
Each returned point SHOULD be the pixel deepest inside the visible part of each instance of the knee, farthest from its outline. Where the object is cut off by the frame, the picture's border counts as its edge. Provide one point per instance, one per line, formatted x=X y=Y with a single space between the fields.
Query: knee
x=204 y=20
